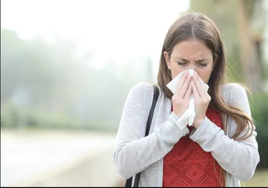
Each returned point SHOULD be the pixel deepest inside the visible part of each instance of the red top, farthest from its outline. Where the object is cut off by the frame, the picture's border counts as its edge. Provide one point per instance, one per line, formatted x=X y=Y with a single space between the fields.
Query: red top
x=188 y=165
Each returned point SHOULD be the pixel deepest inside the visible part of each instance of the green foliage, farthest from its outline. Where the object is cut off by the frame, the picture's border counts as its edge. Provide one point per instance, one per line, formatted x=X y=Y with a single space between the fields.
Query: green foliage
x=258 y=180
x=14 y=116
x=259 y=109
x=56 y=84
x=25 y=64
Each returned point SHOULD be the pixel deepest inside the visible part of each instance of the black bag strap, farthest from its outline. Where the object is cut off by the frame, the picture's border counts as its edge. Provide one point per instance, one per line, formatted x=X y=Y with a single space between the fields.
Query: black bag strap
x=151 y=113
x=149 y=121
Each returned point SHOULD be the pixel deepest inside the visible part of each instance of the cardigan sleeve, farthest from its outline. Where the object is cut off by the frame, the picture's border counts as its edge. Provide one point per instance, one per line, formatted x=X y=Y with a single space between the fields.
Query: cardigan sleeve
x=239 y=158
x=133 y=152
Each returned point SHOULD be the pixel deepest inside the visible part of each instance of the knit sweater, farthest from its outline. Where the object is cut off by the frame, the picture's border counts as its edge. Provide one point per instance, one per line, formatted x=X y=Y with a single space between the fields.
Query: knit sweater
x=134 y=153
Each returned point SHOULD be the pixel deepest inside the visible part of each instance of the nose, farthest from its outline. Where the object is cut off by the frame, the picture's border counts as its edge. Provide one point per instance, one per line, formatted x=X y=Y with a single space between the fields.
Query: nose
x=191 y=66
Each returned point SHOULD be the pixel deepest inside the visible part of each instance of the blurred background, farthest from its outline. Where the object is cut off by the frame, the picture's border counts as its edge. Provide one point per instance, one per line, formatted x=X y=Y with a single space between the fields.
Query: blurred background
x=68 y=65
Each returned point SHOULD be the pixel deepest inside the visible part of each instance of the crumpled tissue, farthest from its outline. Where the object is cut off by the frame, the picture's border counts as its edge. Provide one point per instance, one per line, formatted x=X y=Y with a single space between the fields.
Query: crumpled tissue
x=188 y=117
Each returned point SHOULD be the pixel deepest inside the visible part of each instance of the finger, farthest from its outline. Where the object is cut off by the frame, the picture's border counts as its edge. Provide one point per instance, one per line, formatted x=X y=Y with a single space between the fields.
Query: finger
x=195 y=91
x=185 y=87
x=201 y=81
x=181 y=82
x=198 y=85
x=189 y=91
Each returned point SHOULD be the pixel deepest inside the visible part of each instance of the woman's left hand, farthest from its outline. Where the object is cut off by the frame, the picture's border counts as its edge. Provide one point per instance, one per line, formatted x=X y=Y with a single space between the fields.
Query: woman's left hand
x=201 y=98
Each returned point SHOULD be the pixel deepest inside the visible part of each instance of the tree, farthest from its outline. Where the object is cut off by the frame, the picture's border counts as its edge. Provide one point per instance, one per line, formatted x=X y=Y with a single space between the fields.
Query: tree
x=250 y=60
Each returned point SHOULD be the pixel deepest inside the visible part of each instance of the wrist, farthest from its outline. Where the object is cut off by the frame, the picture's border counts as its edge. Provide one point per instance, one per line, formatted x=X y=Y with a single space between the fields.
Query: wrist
x=173 y=117
x=197 y=122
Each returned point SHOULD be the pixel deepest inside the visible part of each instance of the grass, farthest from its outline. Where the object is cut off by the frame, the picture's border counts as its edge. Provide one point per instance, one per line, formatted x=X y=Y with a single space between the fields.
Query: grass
x=260 y=179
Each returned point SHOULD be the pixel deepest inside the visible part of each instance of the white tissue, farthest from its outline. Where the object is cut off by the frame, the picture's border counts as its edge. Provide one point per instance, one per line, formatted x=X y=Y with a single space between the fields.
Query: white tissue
x=189 y=114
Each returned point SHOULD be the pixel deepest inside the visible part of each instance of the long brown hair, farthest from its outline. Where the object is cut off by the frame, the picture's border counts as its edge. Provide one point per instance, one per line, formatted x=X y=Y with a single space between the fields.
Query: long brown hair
x=199 y=26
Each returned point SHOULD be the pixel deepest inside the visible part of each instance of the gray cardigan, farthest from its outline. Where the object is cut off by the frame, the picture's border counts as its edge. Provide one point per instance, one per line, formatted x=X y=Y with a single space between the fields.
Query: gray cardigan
x=135 y=153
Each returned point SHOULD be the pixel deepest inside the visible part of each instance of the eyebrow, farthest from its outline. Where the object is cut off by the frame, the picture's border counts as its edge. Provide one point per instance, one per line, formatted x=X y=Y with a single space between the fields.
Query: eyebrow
x=200 y=60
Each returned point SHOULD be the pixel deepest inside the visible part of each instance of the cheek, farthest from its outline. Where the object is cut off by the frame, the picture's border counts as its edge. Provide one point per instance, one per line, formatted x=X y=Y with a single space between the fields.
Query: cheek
x=175 y=72
x=205 y=76
x=175 y=69
x=205 y=73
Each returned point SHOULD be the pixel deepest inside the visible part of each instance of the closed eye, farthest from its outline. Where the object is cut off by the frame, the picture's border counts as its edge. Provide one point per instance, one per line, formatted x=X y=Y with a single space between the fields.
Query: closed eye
x=203 y=64
x=181 y=63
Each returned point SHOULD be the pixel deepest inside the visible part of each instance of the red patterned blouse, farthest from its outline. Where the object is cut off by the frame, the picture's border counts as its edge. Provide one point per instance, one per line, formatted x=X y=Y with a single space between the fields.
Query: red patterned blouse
x=188 y=165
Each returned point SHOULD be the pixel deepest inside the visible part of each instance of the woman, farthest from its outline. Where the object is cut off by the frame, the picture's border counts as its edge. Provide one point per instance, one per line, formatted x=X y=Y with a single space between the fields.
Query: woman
x=220 y=149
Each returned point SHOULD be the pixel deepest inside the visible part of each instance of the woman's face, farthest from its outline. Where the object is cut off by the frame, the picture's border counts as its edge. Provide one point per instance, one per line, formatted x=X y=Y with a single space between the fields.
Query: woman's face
x=190 y=54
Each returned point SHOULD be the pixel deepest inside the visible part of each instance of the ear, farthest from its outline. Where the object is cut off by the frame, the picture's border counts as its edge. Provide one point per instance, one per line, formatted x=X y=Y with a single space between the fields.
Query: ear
x=167 y=59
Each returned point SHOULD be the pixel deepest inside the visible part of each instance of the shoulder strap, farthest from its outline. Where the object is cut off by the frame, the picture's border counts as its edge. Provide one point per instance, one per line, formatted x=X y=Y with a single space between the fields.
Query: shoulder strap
x=149 y=121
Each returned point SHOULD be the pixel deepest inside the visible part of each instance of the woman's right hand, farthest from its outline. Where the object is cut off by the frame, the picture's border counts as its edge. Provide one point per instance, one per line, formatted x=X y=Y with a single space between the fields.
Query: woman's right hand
x=180 y=99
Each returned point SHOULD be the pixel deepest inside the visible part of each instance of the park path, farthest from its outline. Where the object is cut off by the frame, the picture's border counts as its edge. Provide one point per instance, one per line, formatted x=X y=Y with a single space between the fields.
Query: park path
x=58 y=158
